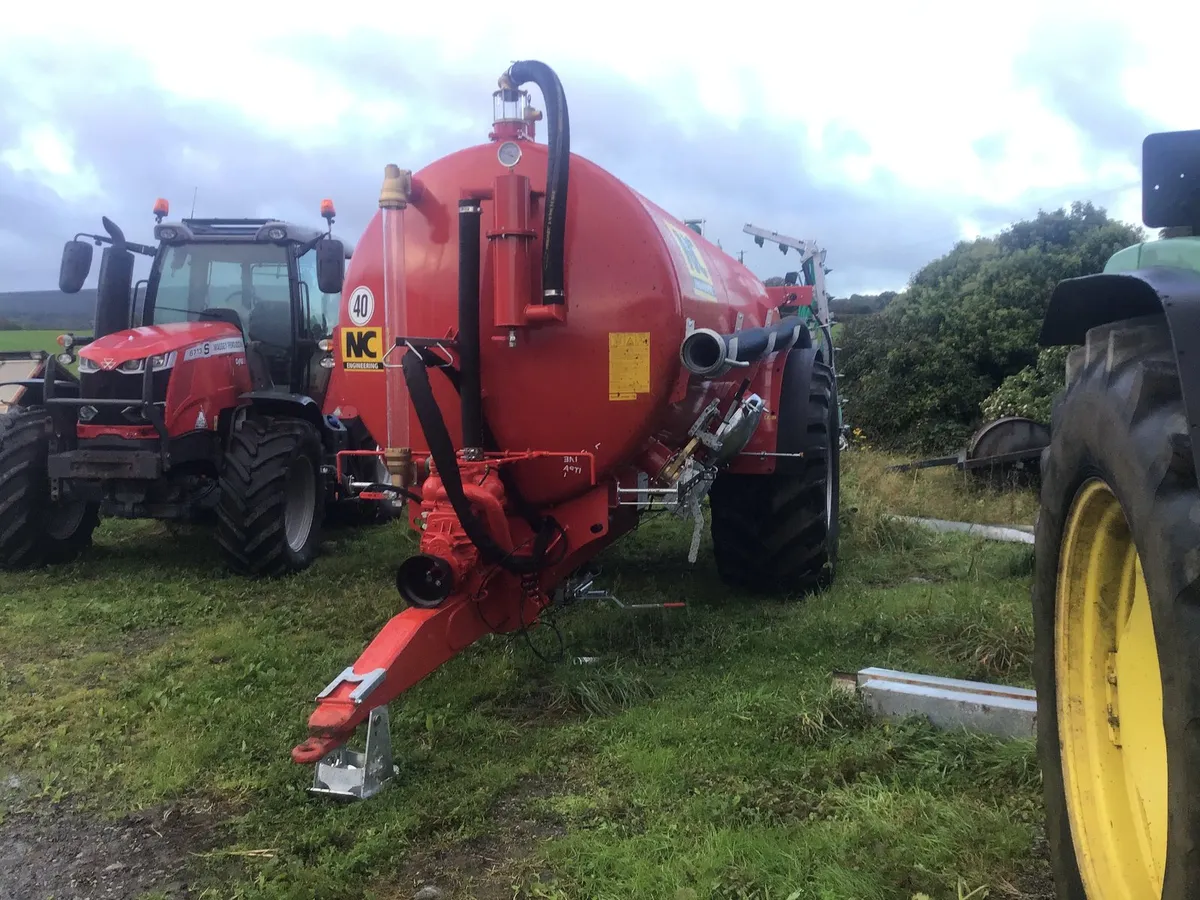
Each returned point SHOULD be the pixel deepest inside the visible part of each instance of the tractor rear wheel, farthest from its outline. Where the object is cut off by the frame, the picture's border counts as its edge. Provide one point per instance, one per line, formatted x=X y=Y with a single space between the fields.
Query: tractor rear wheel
x=1116 y=598
x=34 y=531
x=778 y=533
x=272 y=497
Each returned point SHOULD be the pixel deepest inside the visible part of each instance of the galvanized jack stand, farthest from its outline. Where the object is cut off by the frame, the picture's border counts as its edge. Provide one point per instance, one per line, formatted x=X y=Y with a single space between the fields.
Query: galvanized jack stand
x=348 y=774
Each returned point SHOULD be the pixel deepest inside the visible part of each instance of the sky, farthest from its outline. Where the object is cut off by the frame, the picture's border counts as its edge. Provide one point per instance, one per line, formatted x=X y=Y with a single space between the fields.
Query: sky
x=885 y=132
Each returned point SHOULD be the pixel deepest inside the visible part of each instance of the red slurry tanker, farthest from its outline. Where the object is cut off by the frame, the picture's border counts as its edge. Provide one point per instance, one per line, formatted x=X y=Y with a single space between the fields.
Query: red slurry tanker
x=543 y=353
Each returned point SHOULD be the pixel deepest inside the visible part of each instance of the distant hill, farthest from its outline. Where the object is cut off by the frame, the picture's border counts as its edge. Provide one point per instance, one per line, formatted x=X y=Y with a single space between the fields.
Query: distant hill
x=860 y=304
x=35 y=310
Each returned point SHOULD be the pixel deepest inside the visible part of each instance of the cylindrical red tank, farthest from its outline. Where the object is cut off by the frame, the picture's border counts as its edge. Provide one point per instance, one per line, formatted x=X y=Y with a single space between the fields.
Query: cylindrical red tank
x=608 y=380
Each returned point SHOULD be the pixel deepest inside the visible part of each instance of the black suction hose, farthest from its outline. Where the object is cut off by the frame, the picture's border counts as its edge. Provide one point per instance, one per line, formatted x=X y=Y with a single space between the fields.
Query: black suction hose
x=558 y=127
x=441 y=448
x=706 y=353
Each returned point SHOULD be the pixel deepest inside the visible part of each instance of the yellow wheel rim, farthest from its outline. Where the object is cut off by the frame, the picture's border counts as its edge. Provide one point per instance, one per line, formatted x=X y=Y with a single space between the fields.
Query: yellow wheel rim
x=1114 y=748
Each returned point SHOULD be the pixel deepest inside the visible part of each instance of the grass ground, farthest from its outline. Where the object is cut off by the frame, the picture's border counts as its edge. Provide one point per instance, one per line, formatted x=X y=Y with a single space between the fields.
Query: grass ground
x=148 y=702
x=29 y=340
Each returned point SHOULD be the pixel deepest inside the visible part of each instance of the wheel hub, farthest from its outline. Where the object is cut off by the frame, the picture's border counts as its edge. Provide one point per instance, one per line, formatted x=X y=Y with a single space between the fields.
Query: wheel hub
x=301 y=500
x=62 y=519
x=1109 y=702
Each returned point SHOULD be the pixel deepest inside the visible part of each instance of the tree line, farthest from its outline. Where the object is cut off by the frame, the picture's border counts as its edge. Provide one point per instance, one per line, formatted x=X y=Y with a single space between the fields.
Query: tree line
x=958 y=346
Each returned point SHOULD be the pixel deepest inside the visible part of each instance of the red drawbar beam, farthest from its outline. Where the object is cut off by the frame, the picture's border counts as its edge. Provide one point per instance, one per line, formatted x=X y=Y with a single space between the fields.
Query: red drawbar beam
x=411 y=645
x=415 y=642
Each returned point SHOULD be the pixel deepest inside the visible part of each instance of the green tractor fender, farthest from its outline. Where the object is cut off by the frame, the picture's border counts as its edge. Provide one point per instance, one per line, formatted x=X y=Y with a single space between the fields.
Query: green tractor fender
x=1079 y=304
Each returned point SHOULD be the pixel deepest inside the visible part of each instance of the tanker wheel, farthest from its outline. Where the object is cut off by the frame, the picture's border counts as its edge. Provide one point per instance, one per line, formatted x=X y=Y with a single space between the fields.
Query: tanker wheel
x=34 y=531
x=272 y=497
x=778 y=533
x=1116 y=606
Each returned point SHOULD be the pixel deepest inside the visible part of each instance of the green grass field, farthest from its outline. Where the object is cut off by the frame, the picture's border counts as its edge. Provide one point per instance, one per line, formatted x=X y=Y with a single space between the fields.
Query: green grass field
x=703 y=757
x=30 y=340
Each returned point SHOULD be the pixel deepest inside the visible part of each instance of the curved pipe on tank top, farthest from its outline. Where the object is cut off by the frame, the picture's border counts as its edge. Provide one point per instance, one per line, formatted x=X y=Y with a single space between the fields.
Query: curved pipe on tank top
x=558 y=129
x=706 y=353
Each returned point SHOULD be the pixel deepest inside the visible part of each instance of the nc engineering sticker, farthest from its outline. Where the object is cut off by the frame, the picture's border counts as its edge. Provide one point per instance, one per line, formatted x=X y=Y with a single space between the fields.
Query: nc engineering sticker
x=362 y=349
x=223 y=347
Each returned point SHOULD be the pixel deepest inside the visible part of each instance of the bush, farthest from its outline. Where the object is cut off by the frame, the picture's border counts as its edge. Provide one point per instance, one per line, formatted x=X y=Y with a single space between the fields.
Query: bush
x=917 y=374
x=1031 y=391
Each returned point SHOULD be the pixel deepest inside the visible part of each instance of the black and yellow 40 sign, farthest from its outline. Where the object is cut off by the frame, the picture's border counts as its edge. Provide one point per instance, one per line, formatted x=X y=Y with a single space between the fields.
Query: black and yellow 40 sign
x=362 y=349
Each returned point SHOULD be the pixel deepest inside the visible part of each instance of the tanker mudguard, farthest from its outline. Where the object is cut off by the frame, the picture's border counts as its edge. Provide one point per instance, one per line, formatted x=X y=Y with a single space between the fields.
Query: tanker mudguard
x=1079 y=304
x=792 y=434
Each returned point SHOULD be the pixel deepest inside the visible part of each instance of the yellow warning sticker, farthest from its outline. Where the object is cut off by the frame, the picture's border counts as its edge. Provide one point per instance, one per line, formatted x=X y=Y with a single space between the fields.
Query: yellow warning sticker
x=362 y=349
x=628 y=364
x=702 y=282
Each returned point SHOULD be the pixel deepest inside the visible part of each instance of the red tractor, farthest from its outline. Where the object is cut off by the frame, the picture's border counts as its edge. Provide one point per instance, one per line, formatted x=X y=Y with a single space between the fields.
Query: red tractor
x=203 y=395
x=560 y=356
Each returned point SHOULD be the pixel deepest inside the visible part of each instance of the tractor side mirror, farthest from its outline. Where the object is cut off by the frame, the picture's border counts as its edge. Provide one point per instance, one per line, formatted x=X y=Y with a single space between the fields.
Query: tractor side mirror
x=1171 y=179
x=76 y=263
x=331 y=265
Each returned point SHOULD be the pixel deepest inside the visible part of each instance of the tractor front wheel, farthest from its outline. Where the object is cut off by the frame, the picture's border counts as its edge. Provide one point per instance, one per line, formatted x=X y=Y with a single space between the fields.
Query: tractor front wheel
x=35 y=531
x=1116 y=604
x=272 y=497
x=778 y=533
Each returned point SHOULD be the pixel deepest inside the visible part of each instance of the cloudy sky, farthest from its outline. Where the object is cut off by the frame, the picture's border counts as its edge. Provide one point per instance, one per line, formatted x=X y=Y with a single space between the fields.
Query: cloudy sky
x=885 y=131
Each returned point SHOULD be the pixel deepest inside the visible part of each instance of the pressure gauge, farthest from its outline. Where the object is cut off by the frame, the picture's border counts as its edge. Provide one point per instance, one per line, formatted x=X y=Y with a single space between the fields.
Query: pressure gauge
x=509 y=154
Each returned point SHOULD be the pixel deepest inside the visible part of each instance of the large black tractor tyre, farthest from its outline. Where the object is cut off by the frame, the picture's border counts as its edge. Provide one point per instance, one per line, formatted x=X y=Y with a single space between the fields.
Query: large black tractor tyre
x=272 y=500
x=35 y=532
x=778 y=533
x=1116 y=606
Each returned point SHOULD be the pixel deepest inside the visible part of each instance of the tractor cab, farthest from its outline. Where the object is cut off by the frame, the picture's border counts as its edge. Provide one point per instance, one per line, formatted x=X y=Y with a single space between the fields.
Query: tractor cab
x=258 y=276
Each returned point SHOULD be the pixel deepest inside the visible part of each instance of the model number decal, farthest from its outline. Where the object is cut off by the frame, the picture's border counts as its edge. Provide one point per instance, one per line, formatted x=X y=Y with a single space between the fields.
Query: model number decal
x=222 y=347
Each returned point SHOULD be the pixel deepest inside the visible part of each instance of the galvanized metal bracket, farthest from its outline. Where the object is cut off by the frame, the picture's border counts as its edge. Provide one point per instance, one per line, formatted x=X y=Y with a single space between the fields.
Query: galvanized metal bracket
x=366 y=683
x=357 y=775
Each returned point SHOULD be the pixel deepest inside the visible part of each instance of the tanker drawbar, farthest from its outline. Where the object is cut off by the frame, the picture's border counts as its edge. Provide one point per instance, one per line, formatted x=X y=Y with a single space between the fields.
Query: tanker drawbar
x=549 y=356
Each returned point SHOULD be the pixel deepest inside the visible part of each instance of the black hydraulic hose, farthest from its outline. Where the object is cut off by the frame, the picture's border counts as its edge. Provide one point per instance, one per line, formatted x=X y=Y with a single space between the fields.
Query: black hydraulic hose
x=471 y=395
x=532 y=517
x=441 y=448
x=558 y=127
x=707 y=353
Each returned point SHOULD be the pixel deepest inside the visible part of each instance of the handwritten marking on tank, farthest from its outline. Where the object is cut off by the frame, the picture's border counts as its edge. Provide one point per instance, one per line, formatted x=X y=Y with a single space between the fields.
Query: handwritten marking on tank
x=362 y=349
x=361 y=306
x=702 y=282
x=572 y=466
x=628 y=364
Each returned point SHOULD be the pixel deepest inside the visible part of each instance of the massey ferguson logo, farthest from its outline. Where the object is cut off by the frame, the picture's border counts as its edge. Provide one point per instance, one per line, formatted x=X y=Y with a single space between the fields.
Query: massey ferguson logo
x=108 y=364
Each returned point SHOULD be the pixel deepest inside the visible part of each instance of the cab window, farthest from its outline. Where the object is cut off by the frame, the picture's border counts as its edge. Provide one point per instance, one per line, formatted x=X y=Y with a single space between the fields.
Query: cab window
x=197 y=277
x=321 y=310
